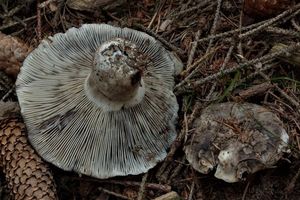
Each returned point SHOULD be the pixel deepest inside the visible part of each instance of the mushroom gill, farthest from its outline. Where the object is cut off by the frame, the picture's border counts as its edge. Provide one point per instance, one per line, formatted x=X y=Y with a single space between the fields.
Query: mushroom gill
x=98 y=100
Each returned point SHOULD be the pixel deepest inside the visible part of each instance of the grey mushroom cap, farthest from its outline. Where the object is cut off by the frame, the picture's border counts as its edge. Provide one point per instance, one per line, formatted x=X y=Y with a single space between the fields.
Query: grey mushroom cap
x=236 y=139
x=73 y=119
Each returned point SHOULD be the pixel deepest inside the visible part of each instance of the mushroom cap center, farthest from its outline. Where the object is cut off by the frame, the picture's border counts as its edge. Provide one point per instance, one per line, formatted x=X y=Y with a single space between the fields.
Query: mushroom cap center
x=117 y=71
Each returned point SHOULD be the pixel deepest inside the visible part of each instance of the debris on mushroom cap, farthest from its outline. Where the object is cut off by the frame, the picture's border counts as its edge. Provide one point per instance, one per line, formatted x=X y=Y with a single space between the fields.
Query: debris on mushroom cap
x=238 y=138
x=92 y=5
x=27 y=175
x=78 y=114
x=12 y=53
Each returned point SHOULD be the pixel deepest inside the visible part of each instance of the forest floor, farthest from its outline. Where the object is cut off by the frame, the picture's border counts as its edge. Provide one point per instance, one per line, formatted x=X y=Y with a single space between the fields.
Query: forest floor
x=226 y=50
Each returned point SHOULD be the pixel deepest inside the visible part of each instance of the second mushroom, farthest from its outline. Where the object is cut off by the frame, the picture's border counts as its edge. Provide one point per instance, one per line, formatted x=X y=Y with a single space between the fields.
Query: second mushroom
x=99 y=100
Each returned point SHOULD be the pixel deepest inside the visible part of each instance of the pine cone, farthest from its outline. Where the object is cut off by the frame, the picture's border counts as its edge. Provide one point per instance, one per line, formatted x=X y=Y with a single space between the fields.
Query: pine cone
x=265 y=8
x=13 y=51
x=28 y=177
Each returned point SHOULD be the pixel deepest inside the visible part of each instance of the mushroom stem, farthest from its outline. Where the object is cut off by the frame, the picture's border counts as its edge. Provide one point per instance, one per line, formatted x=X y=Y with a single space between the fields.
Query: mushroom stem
x=116 y=77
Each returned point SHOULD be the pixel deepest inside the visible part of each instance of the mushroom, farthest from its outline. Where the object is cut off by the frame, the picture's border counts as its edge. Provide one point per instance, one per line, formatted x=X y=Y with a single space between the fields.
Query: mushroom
x=236 y=138
x=98 y=100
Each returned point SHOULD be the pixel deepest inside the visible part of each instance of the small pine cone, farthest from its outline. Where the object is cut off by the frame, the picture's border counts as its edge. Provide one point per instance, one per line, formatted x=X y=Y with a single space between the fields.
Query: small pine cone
x=27 y=176
x=13 y=51
x=265 y=8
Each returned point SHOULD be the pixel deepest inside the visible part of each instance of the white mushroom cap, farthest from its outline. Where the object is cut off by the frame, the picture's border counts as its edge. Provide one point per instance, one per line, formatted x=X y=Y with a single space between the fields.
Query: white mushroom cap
x=237 y=139
x=81 y=120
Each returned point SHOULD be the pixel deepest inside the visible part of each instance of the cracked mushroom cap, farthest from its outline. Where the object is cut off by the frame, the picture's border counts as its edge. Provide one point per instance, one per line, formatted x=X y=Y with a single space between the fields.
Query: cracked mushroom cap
x=98 y=100
x=237 y=139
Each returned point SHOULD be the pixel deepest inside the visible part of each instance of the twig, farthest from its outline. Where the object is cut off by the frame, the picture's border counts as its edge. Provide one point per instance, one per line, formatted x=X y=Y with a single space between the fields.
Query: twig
x=283 y=93
x=8 y=93
x=19 y=20
x=241 y=66
x=290 y=187
x=122 y=22
x=39 y=21
x=269 y=22
x=57 y=16
x=161 y=187
x=113 y=193
x=197 y=108
x=254 y=27
x=254 y=90
x=184 y=6
x=283 y=31
x=16 y=23
x=152 y=20
x=197 y=63
x=46 y=3
x=295 y=25
x=18 y=32
x=226 y=60
x=177 y=170
x=175 y=145
x=159 y=5
x=214 y=25
x=200 y=5
x=286 y=96
x=287 y=18
x=169 y=196
x=230 y=33
x=162 y=40
x=264 y=68
x=142 y=187
x=179 y=51
x=152 y=186
x=192 y=191
x=179 y=140
x=186 y=123
x=193 y=49
x=239 y=46
x=246 y=190
x=12 y=12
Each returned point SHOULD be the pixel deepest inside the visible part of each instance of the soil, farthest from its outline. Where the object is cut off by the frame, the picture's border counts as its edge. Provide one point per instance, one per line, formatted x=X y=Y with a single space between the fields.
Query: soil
x=226 y=50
